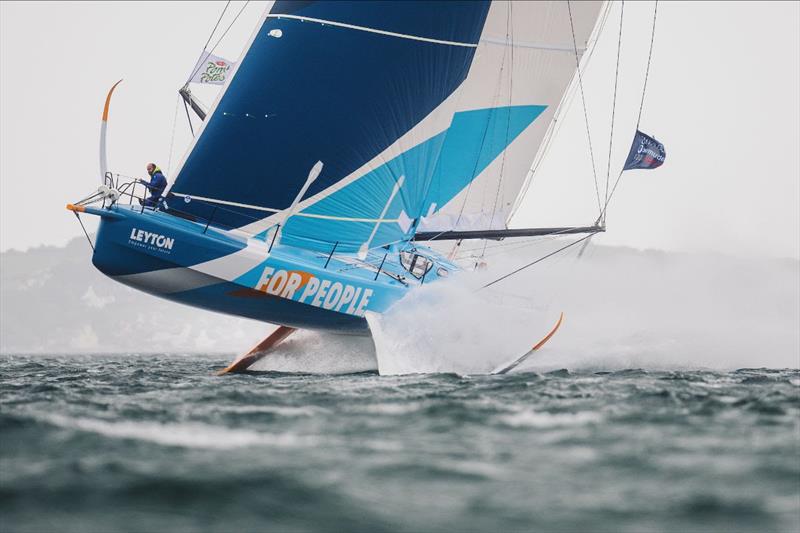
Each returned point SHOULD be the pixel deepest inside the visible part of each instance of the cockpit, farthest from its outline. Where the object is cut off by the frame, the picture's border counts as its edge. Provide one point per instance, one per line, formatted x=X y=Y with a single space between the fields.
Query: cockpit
x=419 y=265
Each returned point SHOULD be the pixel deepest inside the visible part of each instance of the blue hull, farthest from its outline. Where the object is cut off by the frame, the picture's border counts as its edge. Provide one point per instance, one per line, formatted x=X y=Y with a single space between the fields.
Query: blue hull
x=236 y=274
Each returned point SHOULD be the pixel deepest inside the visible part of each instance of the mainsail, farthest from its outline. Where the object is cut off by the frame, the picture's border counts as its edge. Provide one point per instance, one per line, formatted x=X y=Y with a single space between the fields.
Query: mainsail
x=420 y=112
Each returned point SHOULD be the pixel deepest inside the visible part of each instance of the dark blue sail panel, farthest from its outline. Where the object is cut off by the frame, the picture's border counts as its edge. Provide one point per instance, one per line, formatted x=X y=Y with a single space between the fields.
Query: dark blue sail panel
x=323 y=93
x=444 y=20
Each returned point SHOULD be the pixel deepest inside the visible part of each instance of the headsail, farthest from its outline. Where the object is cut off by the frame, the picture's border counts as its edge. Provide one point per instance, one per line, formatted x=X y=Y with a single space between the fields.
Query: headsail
x=345 y=83
x=103 y=135
x=522 y=68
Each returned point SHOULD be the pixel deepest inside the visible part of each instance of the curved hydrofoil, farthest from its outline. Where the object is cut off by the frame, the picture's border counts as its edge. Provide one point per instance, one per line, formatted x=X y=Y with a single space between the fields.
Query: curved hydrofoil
x=511 y=365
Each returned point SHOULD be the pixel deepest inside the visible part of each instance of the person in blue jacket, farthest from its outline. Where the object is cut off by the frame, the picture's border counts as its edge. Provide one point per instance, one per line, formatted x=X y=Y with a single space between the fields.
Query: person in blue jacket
x=156 y=185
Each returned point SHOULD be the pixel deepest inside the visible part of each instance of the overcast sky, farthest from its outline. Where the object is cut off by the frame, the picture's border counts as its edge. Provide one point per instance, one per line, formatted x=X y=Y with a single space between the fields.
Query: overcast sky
x=723 y=96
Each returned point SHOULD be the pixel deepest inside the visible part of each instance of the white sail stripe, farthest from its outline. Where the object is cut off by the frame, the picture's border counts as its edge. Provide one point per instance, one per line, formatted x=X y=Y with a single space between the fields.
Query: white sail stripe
x=230 y=267
x=536 y=46
x=271 y=210
x=429 y=127
x=169 y=280
x=540 y=77
x=226 y=202
x=564 y=105
x=346 y=219
x=372 y=30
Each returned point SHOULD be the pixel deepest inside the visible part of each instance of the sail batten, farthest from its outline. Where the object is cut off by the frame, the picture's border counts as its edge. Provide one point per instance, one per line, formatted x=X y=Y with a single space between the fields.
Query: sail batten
x=374 y=30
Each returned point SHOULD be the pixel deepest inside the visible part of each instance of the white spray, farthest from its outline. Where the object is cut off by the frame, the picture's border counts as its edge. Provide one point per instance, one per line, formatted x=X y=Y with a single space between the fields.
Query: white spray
x=623 y=309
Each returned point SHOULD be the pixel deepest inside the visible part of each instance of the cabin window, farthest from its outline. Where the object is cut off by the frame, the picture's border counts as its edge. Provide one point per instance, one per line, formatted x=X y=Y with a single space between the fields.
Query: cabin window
x=416 y=264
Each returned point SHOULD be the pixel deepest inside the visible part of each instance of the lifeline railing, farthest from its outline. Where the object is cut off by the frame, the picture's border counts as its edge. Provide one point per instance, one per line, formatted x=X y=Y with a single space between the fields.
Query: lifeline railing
x=126 y=186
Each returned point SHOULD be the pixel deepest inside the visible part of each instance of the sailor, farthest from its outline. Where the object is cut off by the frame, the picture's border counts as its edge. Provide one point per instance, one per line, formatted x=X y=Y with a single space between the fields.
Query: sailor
x=156 y=185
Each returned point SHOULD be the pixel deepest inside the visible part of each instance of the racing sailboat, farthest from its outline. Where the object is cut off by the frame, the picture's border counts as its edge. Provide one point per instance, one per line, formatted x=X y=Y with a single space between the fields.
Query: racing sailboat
x=347 y=134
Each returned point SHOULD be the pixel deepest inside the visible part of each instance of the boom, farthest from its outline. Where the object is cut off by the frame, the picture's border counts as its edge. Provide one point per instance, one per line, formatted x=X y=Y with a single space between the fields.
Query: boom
x=499 y=234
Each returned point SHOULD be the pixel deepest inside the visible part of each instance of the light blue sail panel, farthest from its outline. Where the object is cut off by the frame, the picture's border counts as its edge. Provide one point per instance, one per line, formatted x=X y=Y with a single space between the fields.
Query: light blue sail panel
x=434 y=171
x=324 y=92
x=415 y=165
x=473 y=141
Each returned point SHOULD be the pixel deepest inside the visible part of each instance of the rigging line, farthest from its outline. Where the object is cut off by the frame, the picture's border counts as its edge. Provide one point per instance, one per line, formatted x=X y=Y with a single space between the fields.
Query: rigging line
x=515 y=242
x=510 y=39
x=495 y=99
x=513 y=250
x=220 y=39
x=208 y=41
x=613 y=107
x=172 y=139
x=534 y=262
x=563 y=109
x=217 y=24
x=474 y=169
x=474 y=177
x=229 y=27
x=84 y=230
x=647 y=70
x=641 y=105
x=493 y=253
x=583 y=103
x=513 y=247
x=502 y=251
x=188 y=117
x=477 y=159
x=429 y=182
x=89 y=199
x=506 y=248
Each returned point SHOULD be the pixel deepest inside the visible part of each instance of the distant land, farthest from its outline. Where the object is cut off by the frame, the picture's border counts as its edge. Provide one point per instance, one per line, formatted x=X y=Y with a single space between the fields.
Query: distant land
x=710 y=309
x=53 y=300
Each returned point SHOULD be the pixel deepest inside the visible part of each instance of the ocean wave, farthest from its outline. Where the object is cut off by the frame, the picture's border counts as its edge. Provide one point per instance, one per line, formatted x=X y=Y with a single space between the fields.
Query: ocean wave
x=184 y=435
x=286 y=411
x=542 y=420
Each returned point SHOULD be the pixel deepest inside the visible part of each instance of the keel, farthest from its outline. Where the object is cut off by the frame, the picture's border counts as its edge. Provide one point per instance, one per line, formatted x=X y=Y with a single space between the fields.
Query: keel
x=507 y=367
x=258 y=352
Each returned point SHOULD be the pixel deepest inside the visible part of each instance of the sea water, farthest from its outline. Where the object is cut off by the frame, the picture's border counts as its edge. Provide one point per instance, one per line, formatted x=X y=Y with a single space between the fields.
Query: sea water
x=158 y=443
